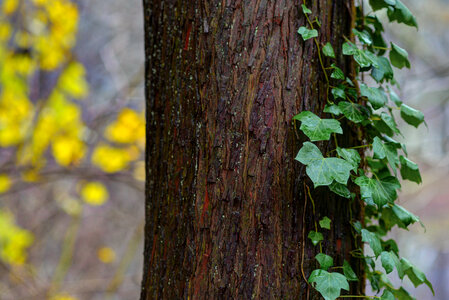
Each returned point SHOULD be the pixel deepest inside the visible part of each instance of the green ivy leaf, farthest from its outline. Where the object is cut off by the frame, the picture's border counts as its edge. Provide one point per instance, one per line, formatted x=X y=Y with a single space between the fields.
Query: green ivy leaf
x=307 y=33
x=329 y=285
x=376 y=96
x=383 y=71
x=323 y=171
x=364 y=58
x=338 y=93
x=340 y=189
x=349 y=48
x=370 y=262
x=404 y=216
x=379 y=4
x=357 y=227
x=315 y=237
x=315 y=128
x=349 y=272
x=328 y=50
x=364 y=36
x=380 y=125
x=402 y=294
x=402 y=14
x=389 y=121
x=324 y=260
x=337 y=73
x=412 y=116
x=381 y=191
x=373 y=241
x=409 y=170
x=386 y=150
x=397 y=215
x=374 y=20
x=351 y=156
x=416 y=276
x=325 y=223
x=394 y=97
x=388 y=261
x=390 y=245
x=305 y=9
x=399 y=57
x=387 y=295
x=353 y=111
x=396 y=144
x=332 y=109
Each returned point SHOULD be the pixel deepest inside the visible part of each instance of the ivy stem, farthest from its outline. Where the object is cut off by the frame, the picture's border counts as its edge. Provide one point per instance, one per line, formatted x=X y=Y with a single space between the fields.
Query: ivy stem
x=361 y=146
x=335 y=140
x=313 y=210
x=319 y=57
x=303 y=237
x=381 y=48
x=355 y=147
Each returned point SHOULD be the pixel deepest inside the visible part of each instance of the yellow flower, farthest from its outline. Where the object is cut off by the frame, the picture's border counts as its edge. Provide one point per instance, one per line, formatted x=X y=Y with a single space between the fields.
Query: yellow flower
x=9 y=6
x=5 y=31
x=5 y=183
x=72 y=81
x=110 y=159
x=68 y=150
x=40 y=2
x=94 y=193
x=51 y=55
x=129 y=127
x=13 y=240
x=24 y=64
x=106 y=255
x=10 y=136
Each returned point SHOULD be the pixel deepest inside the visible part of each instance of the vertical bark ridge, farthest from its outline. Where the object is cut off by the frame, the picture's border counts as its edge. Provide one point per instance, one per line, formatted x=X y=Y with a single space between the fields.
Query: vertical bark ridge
x=225 y=198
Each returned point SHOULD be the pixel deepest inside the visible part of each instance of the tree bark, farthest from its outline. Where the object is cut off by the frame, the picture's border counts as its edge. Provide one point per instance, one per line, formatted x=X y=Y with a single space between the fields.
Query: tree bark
x=227 y=208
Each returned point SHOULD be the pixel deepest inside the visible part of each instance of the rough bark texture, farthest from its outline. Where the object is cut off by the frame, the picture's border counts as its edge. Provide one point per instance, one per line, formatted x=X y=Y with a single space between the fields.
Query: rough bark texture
x=227 y=215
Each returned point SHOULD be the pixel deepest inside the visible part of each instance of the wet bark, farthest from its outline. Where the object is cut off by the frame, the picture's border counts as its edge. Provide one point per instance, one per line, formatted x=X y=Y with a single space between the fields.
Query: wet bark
x=227 y=213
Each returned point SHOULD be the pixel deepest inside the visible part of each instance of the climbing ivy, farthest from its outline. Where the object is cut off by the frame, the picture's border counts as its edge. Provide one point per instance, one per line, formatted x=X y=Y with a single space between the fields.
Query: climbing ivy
x=370 y=106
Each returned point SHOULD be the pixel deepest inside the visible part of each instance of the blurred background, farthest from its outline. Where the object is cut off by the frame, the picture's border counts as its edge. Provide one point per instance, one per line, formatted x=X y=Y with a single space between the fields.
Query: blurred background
x=72 y=133
x=425 y=86
x=72 y=141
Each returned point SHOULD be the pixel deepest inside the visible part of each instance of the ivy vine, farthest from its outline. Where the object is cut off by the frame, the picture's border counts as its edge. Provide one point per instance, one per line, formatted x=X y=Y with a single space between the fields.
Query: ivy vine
x=376 y=174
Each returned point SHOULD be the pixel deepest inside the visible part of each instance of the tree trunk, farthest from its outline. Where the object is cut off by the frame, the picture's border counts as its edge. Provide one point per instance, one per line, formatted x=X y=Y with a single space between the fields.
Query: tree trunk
x=227 y=212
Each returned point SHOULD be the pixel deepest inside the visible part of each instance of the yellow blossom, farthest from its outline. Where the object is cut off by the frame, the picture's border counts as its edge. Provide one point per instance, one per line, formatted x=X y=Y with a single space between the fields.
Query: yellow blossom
x=68 y=150
x=9 y=6
x=94 y=193
x=110 y=159
x=106 y=255
x=72 y=81
x=13 y=240
x=5 y=31
x=5 y=183
x=129 y=127
x=10 y=136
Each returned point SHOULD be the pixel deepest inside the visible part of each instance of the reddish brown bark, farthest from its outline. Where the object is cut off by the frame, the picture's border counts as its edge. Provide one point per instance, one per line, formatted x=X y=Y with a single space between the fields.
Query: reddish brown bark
x=226 y=210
